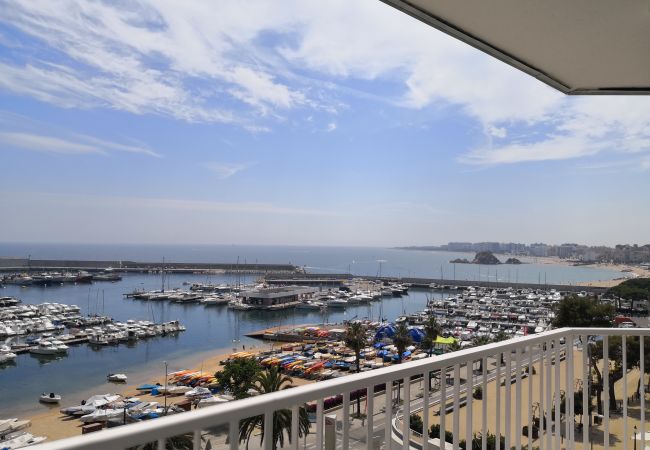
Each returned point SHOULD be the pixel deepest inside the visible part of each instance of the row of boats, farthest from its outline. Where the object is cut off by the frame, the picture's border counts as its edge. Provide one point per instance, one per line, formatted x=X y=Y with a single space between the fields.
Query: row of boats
x=58 y=278
x=13 y=434
x=48 y=329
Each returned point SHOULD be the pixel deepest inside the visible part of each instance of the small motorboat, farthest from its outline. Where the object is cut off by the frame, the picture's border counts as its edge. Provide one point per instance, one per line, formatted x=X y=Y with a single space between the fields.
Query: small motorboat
x=117 y=377
x=50 y=398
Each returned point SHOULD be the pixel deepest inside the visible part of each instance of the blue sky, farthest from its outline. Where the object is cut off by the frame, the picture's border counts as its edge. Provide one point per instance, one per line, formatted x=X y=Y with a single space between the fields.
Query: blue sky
x=334 y=123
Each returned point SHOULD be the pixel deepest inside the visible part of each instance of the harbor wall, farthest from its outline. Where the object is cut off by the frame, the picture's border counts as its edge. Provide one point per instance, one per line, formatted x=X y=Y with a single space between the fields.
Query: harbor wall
x=337 y=279
x=22 y=265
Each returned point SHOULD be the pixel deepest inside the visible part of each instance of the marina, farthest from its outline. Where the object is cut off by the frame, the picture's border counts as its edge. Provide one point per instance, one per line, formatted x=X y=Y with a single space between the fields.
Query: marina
x=278 y=319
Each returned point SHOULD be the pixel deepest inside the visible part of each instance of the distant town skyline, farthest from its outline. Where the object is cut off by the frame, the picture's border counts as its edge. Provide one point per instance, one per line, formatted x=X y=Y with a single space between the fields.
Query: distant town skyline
x=318 y=123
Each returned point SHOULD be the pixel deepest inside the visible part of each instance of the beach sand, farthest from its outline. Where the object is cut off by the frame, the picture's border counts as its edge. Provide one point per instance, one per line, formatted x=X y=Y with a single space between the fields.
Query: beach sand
x=631 y=271
x=55 y=425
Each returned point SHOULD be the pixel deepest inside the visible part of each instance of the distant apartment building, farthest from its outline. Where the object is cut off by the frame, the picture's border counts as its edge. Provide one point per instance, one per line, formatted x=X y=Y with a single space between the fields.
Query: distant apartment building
x=566 y=250
x=460 y=247
x=540 y=250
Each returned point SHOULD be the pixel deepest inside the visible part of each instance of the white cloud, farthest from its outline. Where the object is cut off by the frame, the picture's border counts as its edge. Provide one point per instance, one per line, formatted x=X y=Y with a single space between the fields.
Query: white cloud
x=499 y=132
x=554 y=148
x=80 y=144
x=250 y=62
x=45 y=144
x=225 y=170
x=331 y=126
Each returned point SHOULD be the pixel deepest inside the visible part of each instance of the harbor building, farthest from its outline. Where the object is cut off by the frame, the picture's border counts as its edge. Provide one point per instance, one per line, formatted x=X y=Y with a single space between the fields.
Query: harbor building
x=276 y=297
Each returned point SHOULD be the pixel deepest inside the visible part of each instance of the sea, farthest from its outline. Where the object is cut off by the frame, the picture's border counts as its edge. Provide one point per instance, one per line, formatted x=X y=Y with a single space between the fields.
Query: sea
x=216 y=330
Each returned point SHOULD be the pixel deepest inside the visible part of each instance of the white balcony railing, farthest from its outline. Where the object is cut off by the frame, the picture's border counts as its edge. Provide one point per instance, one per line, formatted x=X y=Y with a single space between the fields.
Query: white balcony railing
x=542 y=369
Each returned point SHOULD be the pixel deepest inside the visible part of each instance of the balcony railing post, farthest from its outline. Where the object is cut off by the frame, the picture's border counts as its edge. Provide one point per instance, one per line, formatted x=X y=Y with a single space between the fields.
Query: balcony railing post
x=389 y=414
x=484 y=365
x=518 y=414
x=346 y=419
x=508 y=382
x=530 y=349
x=196 y=440
x=548 y=389
x=370 y=408
x=497 y=386
x=606 y=391
x=625 y=428
x=233 y=434
x=425 y=410
x=642 y=375
x=295 y=430
x=456 y=406
x=570 y=417
x=540 y=413
x=585 y=393
x=319 y=423
x=406 y=417
x=469 y=398
x=558 y=420
x=268 y=430
x=443 y=406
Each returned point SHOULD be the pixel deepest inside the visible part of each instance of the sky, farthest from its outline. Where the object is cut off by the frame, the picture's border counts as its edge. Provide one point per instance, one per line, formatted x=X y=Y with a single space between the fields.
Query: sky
x=306 y=122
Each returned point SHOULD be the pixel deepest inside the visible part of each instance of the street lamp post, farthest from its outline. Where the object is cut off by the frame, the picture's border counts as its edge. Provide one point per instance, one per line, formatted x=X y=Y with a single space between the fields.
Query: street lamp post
x=165 y=387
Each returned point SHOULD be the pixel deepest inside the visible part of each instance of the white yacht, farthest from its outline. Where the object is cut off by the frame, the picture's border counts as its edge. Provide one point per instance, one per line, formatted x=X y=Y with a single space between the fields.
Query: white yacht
x=45 y=348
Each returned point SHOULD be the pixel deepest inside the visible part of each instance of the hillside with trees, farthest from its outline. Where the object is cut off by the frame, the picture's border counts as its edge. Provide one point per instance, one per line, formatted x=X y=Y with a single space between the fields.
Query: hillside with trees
x=633 y=289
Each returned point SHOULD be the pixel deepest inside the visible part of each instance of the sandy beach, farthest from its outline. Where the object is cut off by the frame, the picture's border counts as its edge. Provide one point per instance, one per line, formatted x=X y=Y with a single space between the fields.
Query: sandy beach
x=630 y=271
x=54 y=425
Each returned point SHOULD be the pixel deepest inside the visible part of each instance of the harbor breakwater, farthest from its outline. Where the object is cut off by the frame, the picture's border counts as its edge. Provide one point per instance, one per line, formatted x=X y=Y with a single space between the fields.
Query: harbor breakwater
x=423 y=283
x=40 y=265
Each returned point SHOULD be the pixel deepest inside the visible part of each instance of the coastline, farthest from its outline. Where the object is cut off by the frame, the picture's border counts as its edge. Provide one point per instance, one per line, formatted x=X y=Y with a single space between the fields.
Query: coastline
x=631 y=271
x=54 y=425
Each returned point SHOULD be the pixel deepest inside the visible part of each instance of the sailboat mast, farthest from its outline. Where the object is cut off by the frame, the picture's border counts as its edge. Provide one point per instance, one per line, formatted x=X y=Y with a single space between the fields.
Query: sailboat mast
x=162 y=275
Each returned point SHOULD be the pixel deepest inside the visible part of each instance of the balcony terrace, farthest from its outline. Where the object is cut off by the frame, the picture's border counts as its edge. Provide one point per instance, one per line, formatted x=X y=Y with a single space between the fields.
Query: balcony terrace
x=560 y=369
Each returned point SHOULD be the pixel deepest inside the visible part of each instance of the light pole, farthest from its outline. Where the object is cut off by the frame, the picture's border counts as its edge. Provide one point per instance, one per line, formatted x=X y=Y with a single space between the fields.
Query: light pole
x=165 y=387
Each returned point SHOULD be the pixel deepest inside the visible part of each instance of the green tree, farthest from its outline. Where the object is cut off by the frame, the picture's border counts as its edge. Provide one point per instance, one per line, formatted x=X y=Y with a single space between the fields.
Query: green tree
x=238 y=376
x=574 y=311
x=401 y=340
x=633 y=289
x=273 y=381
x=355 y=338
x=431 y=332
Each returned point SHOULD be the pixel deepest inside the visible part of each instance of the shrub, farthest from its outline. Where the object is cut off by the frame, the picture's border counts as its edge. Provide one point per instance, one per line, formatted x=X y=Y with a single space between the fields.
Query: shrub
x=434 y=432
x=416 y=423
x=478 y=393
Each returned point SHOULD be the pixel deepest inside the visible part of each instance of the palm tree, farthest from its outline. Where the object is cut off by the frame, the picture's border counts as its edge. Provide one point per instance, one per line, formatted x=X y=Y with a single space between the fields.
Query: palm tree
x=272 y=381
x=355 y=338
x=180 y=442
x=431 y=332
x=401 y=340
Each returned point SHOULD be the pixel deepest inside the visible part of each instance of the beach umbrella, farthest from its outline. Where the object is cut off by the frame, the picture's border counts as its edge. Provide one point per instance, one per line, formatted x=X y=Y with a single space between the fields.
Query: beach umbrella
x=387 y=331
x=416 y=334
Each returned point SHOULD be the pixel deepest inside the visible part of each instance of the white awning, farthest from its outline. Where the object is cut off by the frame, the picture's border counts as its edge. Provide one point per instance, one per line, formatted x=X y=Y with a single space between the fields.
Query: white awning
x=576 y=46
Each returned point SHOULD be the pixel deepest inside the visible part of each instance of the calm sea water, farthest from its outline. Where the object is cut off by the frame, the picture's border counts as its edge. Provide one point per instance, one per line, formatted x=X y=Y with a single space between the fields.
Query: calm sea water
x=211 y=330
x=355 y=260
